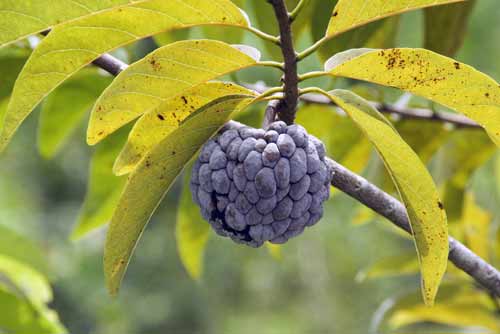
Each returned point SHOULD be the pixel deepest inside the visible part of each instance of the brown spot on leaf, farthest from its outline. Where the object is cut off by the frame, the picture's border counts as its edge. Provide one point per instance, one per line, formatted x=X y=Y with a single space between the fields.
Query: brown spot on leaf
x=457 y=65
x=335 y=14
x=160 y=117
x=184 y=99
x=441 y=206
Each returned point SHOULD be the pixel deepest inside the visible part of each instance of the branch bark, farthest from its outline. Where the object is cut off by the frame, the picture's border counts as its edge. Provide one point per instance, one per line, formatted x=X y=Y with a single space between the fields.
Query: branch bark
x=287 y=107
x=384 y=204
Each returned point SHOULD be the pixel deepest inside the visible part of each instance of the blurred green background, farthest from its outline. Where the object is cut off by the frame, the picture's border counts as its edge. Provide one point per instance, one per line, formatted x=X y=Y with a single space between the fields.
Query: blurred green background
x=313 y=287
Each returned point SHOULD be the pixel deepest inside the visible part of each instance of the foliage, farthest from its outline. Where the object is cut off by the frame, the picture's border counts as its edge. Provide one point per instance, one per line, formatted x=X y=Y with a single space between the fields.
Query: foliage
x=174 y=105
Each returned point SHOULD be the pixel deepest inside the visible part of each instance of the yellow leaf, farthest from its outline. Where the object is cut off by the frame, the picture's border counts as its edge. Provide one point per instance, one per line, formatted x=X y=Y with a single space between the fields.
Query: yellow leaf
x=153 y=177
x=19 y=19
x=156 y=124
x=70 y=47
x=427 y=74
x=162 y=75
x=464 y=313
x=415 y=186
x=477 y=224
x=103 y=188
x=191 y=232
x=349 y=14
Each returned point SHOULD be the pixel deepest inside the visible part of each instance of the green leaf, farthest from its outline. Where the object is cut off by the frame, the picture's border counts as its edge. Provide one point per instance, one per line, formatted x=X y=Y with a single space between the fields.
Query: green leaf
x=19 y=315
x=11 y=63
x=349 y=14
x=23 y=18
x=446 y=26
x=158 y=123
x=22 y=249
x=64 y=110
x=415 y=185
x=398 y=265
x=103 y=188
x=70 y=47
x=192 y=232
x=153 y=177
x=343 y=139
x=31 y=283
x=164 y=74
x=427 y=74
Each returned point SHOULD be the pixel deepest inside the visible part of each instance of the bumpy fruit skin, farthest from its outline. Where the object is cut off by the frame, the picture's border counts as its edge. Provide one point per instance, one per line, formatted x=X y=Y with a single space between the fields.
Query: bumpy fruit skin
x=254 y=185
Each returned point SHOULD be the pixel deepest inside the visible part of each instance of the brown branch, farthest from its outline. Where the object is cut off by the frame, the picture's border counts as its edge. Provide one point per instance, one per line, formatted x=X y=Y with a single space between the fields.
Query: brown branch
x=404 y=112
x=287 y=107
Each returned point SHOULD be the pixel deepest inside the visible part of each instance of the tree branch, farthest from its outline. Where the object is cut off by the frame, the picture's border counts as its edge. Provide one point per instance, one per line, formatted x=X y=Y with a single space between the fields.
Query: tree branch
x=287 y=107
x=368 y=194
x=379 y=201
x=404 y=112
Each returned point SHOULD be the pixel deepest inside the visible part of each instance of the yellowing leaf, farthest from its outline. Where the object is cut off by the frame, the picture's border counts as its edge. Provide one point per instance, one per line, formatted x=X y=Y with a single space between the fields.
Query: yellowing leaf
x=349 y=14
x=446 y=26
x=477 y=223
x=155 y=125
x=427 y=74
x=20 y=19
x=70 y=47
x=164 y=74
x=103 y=188
x=64 y=110
x=415 y=186
x=398 y=265
x=191 y=232
x=153 y=177
x=463 y=310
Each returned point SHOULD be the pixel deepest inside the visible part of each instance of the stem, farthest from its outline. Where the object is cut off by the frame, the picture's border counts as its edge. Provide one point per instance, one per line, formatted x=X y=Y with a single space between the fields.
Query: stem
x=310 y=50
x=311 y=75
x=293 y=15
x=274 y=64
x=264 y=36
x=287 y=107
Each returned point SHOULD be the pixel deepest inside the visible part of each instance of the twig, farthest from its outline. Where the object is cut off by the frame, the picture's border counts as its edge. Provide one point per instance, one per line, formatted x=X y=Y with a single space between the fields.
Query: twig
x=407 y=113
x=368 y=194
x=287 y=107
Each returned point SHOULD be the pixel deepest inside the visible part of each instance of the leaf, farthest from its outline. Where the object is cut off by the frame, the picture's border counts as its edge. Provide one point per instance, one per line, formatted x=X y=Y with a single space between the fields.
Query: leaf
x=158 y=123
x=22 y=249
x=19 y=315
x=103 y=188
x=343 y=139
x=64 y=110
x=446 y=26
x=415 y=186
x=23 y=18
x=72 y=46
x=427 y=74
x=192 y=232
x=462 y=311
x=349 y=14
x=152 y=178
x=397 y=265
x=31 y=283
x=164 y=74
x=477 y=223
x=11 y=63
